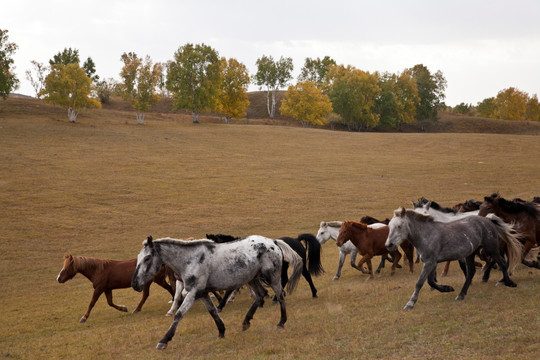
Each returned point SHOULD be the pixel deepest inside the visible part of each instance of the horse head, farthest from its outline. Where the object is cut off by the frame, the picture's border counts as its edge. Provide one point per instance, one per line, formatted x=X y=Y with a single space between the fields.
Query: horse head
x=398 y=229
x=345 y=232
x=490 y=205
x=68 y=270
x=148 y=265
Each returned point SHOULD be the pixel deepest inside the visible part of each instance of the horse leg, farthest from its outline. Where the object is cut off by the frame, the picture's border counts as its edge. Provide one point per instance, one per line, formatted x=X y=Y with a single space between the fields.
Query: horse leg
x=307 y=276
x=526 y=248
x=342 y=256
x=177 y=298
x=146 y=293
x=370 y=269
x=487 y=270
x=214 y=312
x=95 y=296
x=284 y=278
x=426 y=270
x=470 y=269
x=108 y=294
x=361 y=262
x=408 y=250
x=186 y=305
x=259 y=292
x=504 y=268
x=397 y=257
x=446 y=268
x=281 y=298
x=432 y=281
x=381 y=264
x=223 y=300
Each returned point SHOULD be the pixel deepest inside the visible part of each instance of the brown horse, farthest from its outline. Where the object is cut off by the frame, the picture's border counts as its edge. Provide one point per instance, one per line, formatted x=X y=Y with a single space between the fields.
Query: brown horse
x=369 y=242
x=524 y=215
x=107 y=275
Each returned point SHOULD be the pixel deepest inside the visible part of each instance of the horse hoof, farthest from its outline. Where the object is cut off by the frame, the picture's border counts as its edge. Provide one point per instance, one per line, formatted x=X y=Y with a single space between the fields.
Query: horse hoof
x=408 y=307
x=221 y=335
x=123 y=309
x=168 y=314
x=280 y=326
x=392 y=273
x=83 y=320
x=335 y=278
x=245 y=327
x=443 y=275
x=161 y=346
x=377 y=271
x=134 y=311
x=460 y=297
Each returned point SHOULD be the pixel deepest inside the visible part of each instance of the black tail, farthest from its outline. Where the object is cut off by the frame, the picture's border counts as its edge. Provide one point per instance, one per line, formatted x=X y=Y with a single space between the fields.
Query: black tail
x=313 y=246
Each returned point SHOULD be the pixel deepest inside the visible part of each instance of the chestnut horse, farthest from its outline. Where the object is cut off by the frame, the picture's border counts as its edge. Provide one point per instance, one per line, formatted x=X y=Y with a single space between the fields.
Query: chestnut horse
x=369 y=242
x=525 y=217
x=107 y=275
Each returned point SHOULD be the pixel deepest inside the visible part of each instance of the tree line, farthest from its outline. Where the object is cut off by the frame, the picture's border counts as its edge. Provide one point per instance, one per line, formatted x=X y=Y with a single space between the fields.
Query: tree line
x=198 y=80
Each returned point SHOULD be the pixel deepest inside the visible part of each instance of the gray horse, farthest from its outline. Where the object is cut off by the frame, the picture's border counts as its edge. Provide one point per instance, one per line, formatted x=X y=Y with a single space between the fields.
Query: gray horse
x=458 y=240
x=206 y=266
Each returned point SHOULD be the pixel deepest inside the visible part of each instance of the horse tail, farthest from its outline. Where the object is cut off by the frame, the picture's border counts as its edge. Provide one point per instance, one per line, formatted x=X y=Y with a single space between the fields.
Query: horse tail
x=510 y=237
x=314 y=263
x=294 y=260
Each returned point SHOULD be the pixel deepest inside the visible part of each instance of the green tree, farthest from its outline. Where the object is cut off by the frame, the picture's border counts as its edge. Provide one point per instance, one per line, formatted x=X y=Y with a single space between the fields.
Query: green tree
x=306 y=103
x=273 y=75
x=140 y=81
x=194 y=79
x=353 y=93
x=90 y=67
x=511 y=104
x=69 y=87
x=533 y=108
x=431 y=89
x=463 y=108
x=8 y=79
x=397 y=101
x=487 y=108
x=233 y=99
x=315 y=70
x=67 y=56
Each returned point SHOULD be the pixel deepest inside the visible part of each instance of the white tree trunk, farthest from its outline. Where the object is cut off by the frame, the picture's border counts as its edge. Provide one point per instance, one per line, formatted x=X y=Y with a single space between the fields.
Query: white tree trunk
x=195 y=116
x=140 y=117
x=72 y=114
x=273 y=110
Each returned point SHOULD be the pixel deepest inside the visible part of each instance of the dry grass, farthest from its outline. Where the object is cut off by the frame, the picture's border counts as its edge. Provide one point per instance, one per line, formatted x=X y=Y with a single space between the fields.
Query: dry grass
x=100 y=186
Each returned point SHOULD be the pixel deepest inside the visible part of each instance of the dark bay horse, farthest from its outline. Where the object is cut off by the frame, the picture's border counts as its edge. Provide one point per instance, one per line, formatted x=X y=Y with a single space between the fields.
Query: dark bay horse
x=524 y=215
x=206 y=266
x=369 y=242
x=107 y=275
x=457 y=240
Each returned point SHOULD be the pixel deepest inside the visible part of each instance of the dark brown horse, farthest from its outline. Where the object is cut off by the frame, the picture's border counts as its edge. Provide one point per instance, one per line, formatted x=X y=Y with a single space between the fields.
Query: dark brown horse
x=369 y=242
x=107 y=275
x=525 y=216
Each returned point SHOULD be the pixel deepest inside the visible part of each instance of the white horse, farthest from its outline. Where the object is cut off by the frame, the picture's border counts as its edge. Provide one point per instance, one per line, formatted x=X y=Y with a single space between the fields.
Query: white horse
x=330 y=230
x=206 y=266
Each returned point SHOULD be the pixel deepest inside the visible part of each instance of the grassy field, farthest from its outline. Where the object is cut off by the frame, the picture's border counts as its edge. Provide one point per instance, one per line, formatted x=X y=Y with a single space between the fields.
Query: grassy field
x=100 y=186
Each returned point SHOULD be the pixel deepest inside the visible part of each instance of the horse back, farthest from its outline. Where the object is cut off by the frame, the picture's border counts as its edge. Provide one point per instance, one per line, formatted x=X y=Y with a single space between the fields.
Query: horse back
x=117 y=274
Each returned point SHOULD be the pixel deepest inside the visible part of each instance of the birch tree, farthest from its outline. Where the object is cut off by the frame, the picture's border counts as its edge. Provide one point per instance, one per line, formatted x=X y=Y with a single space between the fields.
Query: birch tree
x=141 y=78
x=273 y=75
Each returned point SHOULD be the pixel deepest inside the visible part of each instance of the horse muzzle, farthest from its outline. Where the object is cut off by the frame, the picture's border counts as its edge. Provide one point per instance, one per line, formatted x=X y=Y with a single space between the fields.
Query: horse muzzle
x=391 y=246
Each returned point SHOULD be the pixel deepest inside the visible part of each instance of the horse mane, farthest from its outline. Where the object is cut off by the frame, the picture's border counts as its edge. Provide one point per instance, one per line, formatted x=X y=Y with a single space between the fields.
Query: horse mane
x=415 y=215
x=440 y=208
x=84 y=262
x=168 y=240
x=517 y=207
x=220 y=238
x=335 y=223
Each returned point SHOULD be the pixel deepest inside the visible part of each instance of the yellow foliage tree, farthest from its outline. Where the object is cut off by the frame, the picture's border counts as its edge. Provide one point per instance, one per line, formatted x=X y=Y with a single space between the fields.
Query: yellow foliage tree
x=233 y=100
x=70 y=87
x=307 y=103
x=533 y=108
x=511 y=104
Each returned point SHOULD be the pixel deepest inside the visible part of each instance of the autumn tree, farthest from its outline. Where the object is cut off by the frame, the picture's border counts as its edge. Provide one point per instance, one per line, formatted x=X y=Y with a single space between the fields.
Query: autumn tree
x=140 y=81
x=533 y=108
x=511 y=104
x=37 y=76
x=397 y=101
x=70 y=87
x=8 y=78
x=431 y=89
x=65 y=57
x=487 y=108
x=273 y=75
x=306 y=103
x=194 y=79
x=315 y=70
x=353 y=93
x=233 y=100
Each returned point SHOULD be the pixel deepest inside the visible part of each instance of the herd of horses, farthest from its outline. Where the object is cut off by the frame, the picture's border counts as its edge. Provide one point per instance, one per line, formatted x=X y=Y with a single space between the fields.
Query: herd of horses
x=498 y=231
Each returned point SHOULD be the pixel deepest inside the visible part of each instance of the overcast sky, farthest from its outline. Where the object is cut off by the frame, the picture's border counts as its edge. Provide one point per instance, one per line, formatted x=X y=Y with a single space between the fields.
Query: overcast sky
x=481 y=46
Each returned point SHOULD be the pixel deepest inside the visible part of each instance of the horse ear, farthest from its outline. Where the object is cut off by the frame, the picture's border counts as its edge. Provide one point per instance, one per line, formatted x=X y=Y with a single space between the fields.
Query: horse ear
x=149 y=241
x=400 y=212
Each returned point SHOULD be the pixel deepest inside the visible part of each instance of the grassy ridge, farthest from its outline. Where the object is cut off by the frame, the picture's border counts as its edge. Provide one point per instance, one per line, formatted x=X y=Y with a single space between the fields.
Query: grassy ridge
x=100 y=186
